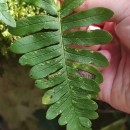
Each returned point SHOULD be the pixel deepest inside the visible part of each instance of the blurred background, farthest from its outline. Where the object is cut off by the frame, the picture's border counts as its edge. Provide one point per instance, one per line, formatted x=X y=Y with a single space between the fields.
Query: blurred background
x=20 y=101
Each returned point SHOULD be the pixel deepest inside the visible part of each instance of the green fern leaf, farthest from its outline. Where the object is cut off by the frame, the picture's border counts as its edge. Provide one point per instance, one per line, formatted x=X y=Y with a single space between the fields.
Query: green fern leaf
x=86 y=18
x=35 y=22
x=68 y=6
x=48 y=5
x=66 y=72
x=4 y=15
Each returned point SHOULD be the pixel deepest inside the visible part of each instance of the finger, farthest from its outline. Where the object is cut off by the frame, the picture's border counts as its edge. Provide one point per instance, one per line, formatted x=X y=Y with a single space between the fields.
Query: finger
x=121 y=16
x=107 y=54
x=119 y=8
x=110 y=27
x=123 y=31
x=109 y=73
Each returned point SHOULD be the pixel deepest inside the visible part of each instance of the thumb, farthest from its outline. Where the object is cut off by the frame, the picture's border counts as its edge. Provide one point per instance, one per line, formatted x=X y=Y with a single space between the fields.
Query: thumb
x=118 y=7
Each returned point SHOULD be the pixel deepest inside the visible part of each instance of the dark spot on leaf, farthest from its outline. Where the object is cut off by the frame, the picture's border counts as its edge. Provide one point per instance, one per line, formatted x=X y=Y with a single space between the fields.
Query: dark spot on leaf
x=86 y=74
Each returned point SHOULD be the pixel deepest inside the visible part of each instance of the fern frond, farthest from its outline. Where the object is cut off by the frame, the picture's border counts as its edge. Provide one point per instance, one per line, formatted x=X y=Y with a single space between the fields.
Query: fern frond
x=4 y=15
x=59 y=67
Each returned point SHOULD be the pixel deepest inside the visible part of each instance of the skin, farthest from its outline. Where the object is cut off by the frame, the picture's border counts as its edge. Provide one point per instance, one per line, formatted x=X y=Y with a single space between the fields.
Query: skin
x=115 y=89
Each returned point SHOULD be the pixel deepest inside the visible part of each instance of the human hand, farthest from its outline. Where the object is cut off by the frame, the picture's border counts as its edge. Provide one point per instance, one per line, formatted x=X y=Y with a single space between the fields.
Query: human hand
x=115 y=89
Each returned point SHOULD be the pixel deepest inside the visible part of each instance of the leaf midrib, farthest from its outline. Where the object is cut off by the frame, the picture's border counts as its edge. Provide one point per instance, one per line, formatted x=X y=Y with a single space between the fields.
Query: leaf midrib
x=83 y=18
x=64 y=55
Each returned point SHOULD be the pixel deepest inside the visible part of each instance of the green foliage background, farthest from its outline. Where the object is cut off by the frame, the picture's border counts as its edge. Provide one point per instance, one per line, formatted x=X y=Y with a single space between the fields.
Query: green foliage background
x=18 y=10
